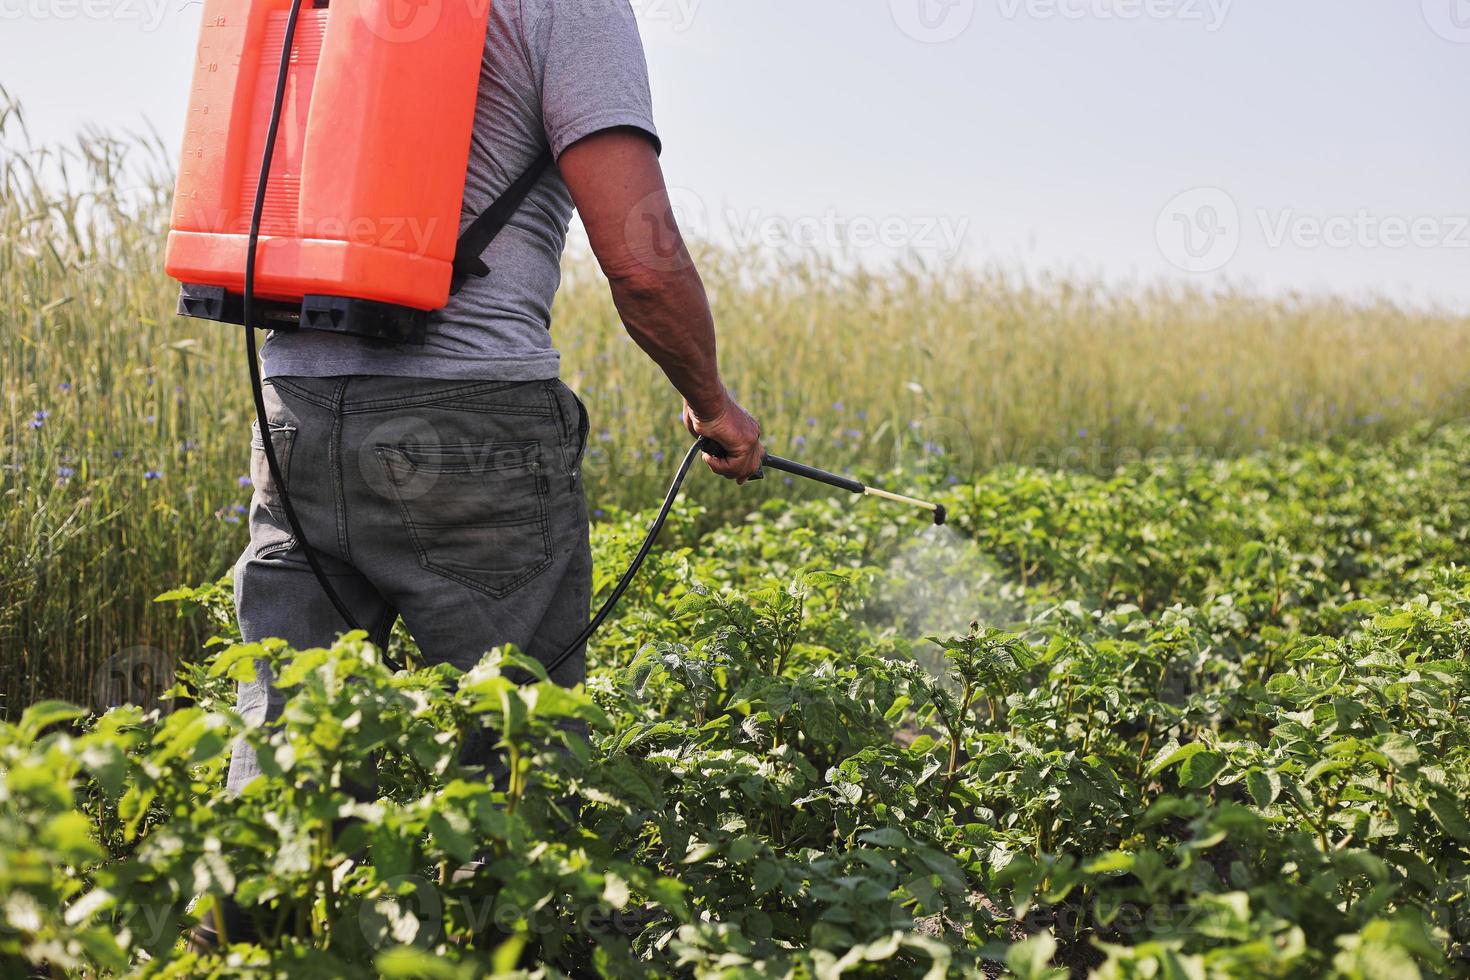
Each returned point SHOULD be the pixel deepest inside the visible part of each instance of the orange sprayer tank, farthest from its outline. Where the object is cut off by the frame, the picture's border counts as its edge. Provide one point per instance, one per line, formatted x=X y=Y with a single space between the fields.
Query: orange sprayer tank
x=364 y=197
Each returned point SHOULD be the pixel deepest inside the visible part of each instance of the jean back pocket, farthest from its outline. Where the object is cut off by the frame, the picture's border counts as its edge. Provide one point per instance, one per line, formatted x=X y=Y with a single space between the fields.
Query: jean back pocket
x=476 y=514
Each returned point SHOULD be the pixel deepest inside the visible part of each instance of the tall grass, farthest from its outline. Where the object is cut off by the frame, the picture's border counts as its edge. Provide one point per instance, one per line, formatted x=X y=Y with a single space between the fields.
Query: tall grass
x=125 y=427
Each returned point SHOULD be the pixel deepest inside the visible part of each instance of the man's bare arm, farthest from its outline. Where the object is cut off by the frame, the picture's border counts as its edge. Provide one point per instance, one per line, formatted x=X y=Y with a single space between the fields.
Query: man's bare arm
x=618 y=187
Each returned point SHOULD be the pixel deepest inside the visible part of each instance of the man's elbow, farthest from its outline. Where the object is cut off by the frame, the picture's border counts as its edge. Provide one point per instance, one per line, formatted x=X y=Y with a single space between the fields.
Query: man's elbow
x=647 y=286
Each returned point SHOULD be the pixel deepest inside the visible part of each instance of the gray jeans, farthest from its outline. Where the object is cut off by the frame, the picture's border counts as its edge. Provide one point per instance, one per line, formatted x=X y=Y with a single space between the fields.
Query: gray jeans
x=456 y=505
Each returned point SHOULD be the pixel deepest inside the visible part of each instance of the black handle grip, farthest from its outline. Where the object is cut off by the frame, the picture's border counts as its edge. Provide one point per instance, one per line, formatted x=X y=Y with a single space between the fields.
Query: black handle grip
x=812 y=473
x=708 y=445
x=791 y=466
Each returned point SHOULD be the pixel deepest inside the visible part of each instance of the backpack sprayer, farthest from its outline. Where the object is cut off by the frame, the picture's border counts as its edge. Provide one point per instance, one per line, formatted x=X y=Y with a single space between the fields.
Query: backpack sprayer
x=345 y=220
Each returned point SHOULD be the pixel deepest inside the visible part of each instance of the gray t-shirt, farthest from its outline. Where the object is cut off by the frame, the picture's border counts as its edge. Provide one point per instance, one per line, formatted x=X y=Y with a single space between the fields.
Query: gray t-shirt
x=555 y=71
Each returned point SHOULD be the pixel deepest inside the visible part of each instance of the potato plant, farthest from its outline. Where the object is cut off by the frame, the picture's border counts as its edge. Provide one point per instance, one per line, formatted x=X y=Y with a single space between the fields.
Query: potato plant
x=1196 y=720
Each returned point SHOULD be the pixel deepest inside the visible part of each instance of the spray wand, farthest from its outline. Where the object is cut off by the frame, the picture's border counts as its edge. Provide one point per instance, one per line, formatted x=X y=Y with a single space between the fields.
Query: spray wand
x=715 y=449
x=843 y=483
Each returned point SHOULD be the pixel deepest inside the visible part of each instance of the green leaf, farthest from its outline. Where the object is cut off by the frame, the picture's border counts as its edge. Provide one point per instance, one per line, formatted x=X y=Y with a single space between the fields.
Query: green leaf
x=1264 y=786
x=888 y=837
x=1031 y=959
x=71 y=836
x=768 y=874
x=1200 y=769
x=410 y=963
x=1400 y=750
x=44 y=714
x=1112 y=862
x=1172 y=754
x=1451 y=815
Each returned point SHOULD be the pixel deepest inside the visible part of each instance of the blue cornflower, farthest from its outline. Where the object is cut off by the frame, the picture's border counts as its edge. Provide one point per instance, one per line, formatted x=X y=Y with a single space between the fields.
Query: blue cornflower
x=599 y=513
x=65 y=386
x=799 y=441
x=65 y=472
x=837 y=406
x=153 y=475
x=240 y=509
x=658 y=455
x=245 y=482
x=811 y=420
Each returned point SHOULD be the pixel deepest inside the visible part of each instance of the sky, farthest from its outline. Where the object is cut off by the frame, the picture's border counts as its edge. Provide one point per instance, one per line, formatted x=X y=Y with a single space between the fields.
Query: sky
x=1310 y=145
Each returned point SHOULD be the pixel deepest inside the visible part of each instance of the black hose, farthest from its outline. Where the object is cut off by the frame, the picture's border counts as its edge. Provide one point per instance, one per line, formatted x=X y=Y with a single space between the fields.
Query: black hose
x=648 y=541
x=252 y=355
x=273 y=463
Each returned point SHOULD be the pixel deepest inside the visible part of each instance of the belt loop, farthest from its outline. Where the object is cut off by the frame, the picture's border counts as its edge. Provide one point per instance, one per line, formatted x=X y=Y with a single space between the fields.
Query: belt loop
x=339 y=396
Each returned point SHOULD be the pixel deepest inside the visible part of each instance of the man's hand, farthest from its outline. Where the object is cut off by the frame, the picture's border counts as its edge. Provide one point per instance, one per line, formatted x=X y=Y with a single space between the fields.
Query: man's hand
x=737 y=432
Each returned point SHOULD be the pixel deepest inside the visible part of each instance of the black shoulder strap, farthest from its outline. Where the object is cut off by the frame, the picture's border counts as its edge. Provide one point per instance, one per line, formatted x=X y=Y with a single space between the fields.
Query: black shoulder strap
x=492 y=221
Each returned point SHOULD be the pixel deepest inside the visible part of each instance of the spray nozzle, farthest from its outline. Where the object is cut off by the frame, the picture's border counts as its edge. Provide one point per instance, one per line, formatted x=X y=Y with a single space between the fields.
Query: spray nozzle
x=941 y=515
